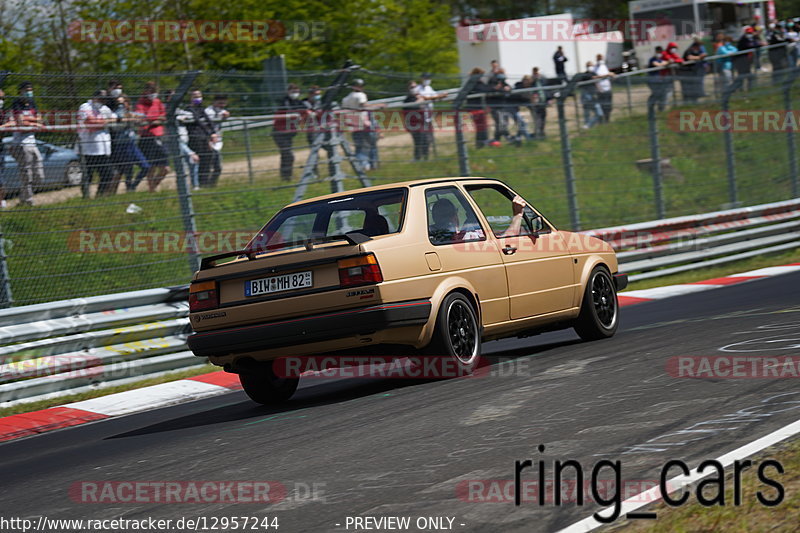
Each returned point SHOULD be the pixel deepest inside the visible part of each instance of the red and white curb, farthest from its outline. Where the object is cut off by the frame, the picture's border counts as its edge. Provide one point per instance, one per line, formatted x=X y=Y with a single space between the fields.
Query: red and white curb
x=122 y=403
x=207 y=385
x=659 y=293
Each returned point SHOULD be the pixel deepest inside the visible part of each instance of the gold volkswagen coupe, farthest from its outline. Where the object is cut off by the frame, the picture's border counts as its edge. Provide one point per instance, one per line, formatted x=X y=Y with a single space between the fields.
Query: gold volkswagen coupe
x=433 y=265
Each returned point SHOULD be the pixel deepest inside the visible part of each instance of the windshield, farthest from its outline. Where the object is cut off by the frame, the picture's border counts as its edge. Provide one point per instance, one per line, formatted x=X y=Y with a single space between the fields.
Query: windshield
x=372 y=214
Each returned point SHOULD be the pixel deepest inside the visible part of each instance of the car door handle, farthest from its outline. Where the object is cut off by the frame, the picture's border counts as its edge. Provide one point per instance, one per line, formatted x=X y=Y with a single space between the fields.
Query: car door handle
x=509 y=250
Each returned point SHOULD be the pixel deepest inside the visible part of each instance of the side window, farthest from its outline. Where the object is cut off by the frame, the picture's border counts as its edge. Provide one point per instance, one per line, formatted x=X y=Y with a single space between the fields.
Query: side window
x=450 y=217
x=497 y=207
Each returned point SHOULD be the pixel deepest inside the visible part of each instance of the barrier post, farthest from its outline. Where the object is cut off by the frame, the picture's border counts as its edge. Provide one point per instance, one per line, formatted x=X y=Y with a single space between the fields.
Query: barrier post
x=569 y=174
x=791 y=140
x=655 y=156
x=174 y=150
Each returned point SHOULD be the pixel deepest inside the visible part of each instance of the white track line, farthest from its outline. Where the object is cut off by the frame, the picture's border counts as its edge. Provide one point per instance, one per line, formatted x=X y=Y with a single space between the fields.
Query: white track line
x=650 y=496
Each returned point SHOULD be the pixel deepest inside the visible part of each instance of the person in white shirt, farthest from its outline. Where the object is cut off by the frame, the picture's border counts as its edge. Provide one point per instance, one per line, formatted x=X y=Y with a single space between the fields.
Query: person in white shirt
x=217 y=113
x=94 y=144
x=429 y=95
x=604 y=88
x=23 y=143
x=359 y=123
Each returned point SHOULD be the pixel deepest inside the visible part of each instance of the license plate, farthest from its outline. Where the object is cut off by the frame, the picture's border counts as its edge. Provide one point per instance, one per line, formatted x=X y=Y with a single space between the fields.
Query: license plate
x=285 y=282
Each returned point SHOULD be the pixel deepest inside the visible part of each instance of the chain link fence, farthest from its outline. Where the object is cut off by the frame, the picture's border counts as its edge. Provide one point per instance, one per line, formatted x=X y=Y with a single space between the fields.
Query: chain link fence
x=661 y=143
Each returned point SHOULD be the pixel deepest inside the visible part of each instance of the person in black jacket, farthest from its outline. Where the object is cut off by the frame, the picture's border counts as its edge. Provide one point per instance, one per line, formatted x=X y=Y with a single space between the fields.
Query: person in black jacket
x=285 y=127
x=201 y=136
x=477 y=109
x=779 y=55
x=502 y=108
x=743 y=63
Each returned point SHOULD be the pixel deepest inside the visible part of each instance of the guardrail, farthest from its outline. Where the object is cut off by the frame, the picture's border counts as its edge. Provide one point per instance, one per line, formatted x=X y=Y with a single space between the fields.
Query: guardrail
x=73 y=346
x=670 y=246
x=59 y=348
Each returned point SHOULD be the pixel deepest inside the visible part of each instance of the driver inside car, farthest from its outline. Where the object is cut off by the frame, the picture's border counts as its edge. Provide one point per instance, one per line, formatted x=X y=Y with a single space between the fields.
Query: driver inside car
x=445 y=222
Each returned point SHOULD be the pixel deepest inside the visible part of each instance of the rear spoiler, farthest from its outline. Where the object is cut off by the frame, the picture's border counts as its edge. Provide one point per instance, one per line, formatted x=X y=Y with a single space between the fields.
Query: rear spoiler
x=353 y=238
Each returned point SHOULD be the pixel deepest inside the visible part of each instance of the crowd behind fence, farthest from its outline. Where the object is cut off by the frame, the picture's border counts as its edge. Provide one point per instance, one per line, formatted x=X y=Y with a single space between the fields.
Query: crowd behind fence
x=141 y=175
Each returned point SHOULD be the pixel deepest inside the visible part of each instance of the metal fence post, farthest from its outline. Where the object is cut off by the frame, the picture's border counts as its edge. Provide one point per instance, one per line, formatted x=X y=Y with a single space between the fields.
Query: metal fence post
x=628 y=89
x=6 y=299
x=655 y=156
x=246 y=133
x=174 y=150
x=569 y=175
x=461 y=143
x=790 y=135
x=730 y=162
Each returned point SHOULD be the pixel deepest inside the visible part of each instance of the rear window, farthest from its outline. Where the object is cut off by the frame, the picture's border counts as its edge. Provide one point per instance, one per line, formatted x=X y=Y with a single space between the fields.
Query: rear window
x=372 y=214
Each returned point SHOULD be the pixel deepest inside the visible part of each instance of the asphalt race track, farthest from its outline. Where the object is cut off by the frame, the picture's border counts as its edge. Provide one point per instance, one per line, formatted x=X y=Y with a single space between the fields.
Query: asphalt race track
x=382 y=447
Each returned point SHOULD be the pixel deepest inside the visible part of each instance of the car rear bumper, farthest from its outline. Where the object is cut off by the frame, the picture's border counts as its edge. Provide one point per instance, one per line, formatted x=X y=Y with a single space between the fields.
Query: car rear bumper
x=306 y=329
x=621 y=281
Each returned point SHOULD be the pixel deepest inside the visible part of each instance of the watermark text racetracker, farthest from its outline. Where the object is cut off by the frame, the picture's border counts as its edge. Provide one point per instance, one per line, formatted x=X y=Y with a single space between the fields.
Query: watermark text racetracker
x=197 y=31
x=184 y=523
x=160 y=242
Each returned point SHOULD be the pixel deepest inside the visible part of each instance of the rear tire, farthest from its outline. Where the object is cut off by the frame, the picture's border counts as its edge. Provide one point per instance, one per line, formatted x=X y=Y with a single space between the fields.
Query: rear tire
x=457 y=335
x=266 y=388
x=599 y=315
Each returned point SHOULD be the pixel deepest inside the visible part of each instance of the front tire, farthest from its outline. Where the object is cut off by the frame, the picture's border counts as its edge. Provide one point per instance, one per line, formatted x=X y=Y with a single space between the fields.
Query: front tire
x=457 y=335
x=599 y=315
x=266 y=388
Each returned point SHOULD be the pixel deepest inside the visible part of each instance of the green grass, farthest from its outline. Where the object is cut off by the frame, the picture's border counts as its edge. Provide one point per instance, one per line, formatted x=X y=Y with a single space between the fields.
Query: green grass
x=46 y=261
x=146 y=382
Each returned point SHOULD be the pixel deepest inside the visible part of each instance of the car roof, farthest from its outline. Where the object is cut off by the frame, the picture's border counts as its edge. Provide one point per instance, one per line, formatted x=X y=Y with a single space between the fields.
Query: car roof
x=396 y=185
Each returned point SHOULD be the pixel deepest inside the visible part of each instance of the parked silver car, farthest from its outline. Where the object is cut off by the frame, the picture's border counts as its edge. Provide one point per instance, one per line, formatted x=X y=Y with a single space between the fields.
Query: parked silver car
x=62 y=167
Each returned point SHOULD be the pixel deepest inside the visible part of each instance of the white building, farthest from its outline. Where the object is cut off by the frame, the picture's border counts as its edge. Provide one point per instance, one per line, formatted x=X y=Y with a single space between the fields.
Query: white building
x=521 y=44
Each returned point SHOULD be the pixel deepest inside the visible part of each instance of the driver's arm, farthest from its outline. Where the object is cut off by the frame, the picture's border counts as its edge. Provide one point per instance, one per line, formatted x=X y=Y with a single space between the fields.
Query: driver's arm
x=518 y=205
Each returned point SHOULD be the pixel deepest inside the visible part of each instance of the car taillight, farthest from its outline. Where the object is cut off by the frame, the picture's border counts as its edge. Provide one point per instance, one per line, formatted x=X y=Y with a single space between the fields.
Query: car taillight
x=359 y=271
x=203 y=296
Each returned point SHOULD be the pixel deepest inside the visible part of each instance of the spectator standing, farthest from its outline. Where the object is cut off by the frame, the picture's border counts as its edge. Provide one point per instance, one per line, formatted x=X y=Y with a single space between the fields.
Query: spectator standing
x=360 y=122
x=125 y=153
x=719 y=40
x=659 y=85
x=477 y=109
x=151 y=134
x=743 y=63
x=94 y=143
x=199 y=138
x=6 y=123
x=23 y=143
x=494 y=68
x=429 y=95
x=779 y=53
x=604 y=87
x=592 y=110
x=674 y=61
x=560 y=61
x=525 y=99
x=190 y=161
x=692 y=81
x=725 y=64
x=502 y=108
x=414 y=120
x=316 y=123
x=792 y=37
x=541 y=99
x=285 y=128
x=217 y=113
